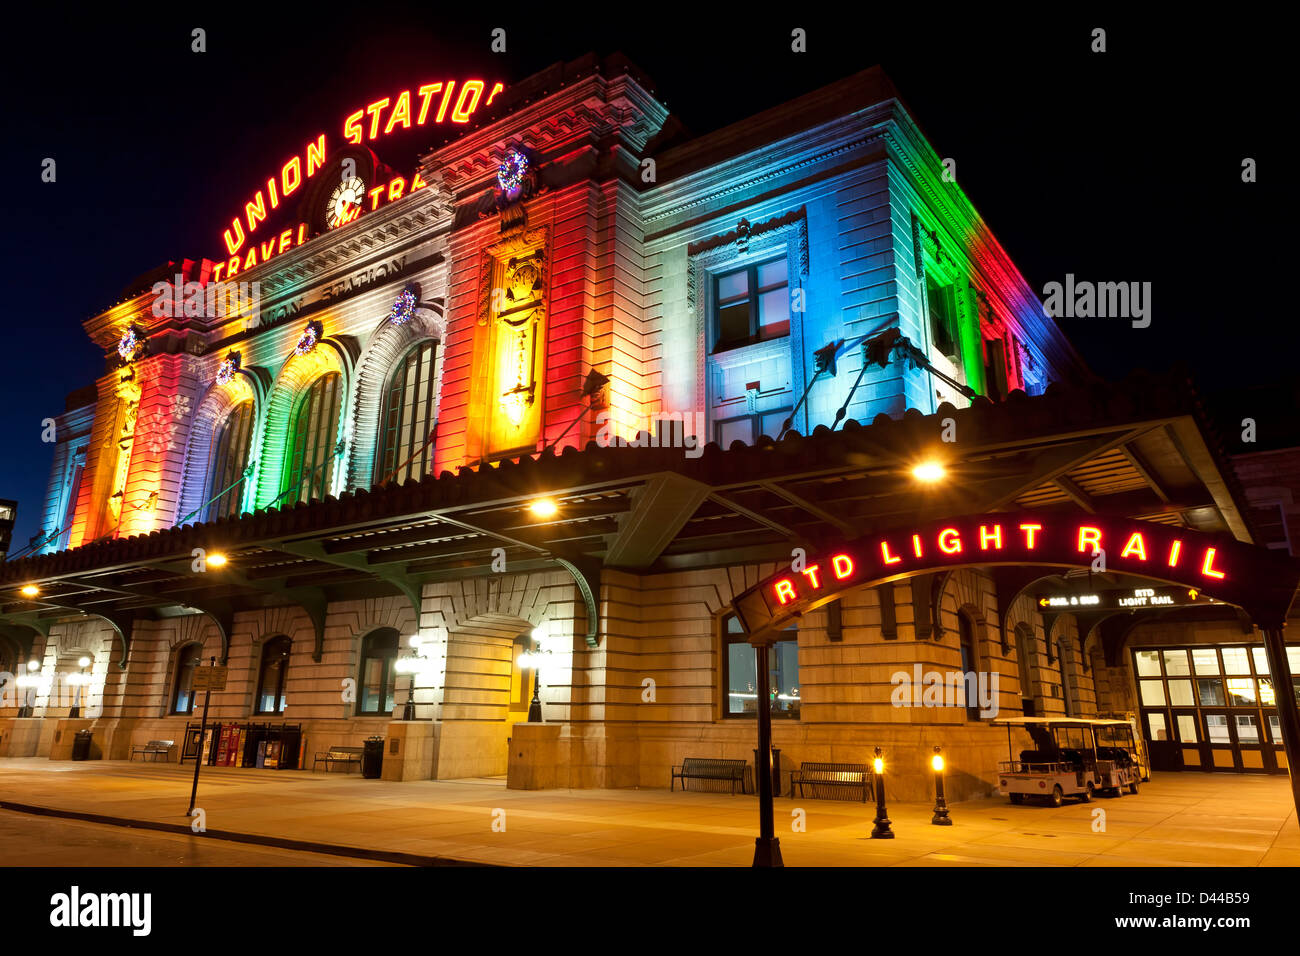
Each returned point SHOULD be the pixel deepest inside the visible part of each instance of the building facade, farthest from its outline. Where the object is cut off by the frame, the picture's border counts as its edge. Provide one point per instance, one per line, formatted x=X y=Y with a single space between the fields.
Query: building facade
x=554 y=390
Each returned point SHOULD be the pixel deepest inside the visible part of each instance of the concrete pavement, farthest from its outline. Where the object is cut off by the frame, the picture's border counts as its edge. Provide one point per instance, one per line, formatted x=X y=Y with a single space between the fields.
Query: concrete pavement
x=1176 y=820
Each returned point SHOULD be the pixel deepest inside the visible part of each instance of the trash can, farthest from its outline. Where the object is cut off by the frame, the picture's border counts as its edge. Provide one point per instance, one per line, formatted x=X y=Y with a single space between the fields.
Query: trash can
x=372 y=758
x=81 y=745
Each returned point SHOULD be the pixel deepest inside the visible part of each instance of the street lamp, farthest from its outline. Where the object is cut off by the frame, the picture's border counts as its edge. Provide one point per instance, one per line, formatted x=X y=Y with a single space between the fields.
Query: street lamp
x=412 y=664
x=533 y=659
x=881 y=830
x=75 y=712
x=940 y=818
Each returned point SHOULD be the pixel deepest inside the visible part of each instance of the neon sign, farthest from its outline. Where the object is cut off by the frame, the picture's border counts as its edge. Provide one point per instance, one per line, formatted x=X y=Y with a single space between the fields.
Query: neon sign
x=403 y=112
x=1212 y=567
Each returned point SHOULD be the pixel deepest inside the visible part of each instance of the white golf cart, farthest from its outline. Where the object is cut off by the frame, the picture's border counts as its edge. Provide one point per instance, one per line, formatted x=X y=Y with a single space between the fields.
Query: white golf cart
x=1068 y=760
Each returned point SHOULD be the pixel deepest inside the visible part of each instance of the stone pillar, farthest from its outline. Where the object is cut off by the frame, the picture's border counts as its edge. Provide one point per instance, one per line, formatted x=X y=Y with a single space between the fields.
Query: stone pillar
x=538 y=759
x=411 y=750
x=64 y=734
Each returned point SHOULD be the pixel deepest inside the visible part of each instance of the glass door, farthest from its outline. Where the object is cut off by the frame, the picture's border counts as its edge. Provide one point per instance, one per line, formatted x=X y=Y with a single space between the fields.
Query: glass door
x=1220 y=739
x=1189 y=740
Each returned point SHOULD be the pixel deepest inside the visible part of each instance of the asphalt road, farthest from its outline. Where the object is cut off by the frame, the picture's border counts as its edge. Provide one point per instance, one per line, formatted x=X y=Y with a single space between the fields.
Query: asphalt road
x=30 y=840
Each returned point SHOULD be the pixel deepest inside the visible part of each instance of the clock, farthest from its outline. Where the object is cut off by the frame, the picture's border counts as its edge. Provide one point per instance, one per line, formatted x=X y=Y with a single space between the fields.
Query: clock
x=345 y=202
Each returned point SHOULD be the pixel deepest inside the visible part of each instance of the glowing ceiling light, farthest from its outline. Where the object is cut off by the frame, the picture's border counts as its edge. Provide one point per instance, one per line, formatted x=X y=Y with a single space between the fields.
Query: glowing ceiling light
x=929 y=471
x=217 y=560
x=544 y=508
x=30 y=590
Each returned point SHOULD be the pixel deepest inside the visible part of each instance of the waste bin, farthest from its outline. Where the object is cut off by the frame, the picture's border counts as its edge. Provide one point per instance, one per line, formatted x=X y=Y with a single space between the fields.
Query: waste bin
x=81 y=745
x=372 y=757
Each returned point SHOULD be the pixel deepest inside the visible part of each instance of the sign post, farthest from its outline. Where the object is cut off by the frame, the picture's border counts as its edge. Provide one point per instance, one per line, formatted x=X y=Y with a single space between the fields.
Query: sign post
x=206 y=679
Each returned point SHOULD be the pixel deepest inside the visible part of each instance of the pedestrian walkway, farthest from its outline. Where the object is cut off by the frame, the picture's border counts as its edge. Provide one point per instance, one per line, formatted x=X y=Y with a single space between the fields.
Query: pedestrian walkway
x=1176 y=820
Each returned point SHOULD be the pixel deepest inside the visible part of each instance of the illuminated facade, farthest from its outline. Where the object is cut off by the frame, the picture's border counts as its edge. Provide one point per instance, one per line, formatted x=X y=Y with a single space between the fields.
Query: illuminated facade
x=403 y=337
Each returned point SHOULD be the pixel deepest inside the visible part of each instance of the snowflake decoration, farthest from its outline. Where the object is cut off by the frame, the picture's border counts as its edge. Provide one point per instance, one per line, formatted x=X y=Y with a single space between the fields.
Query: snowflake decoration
x=180 y=407
x=511 y=172
x=160 y=432
x=404 y=307
x=128 y=344
x=227 y=369
x=307 y=341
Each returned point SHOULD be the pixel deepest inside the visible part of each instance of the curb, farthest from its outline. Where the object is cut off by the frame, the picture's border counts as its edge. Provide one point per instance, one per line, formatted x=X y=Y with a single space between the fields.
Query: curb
x=284 y=843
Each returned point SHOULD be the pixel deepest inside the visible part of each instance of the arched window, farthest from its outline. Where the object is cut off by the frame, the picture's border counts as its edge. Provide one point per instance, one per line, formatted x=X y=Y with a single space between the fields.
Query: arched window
x=271 y=675
x=1025 y=660
x=405 y=448
x=969 y=664
x=309 y=468
x=378 y=672
x=187 y=658
x=1067 y=691
x=229 y=459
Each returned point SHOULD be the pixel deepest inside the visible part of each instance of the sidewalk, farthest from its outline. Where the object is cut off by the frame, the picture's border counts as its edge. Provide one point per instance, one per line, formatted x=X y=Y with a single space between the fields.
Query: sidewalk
x=1176 y=820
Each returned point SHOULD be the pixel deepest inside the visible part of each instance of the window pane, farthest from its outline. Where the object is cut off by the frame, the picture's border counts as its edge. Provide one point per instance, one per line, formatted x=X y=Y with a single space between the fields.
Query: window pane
x=1205 y=660
x=773 y=273
x=1241 y=691
x=1187 y=729
x=1261 y=660
x=1293 y=660
x=1247 y=729
x=1148 y=663
x=739 y=429
x=774 y=313
x=771 y=422
x=1180 y=693
x=1266 y=692
x=784 y=662
x=733 y=323
x=1153 y=693
x=733 y=286
x=1176 y=663
x=1210 y=693
x=1275 y=729
x=1216 y=728
x=1156 y=722
x=1236 y=660
x=742 y=692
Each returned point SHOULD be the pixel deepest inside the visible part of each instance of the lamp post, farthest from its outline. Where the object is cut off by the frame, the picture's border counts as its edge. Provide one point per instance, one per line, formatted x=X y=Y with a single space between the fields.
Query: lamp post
x=940 y=818
x=881 y=830
x=411 y=665
x=533 y=659
x=75 y=712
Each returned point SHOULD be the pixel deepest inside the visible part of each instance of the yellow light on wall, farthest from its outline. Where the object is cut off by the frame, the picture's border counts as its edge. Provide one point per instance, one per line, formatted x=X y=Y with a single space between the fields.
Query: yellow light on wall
x=30 y=590
x=929 y=472
x=937 y=763
x=879 y=764
x=544 y=508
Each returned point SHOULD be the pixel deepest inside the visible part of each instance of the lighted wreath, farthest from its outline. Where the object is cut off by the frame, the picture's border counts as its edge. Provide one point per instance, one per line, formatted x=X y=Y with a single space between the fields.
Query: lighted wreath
x=129 y=344
x=511 y=172
x=404 y=306
x=227 y=369
x=307 y=341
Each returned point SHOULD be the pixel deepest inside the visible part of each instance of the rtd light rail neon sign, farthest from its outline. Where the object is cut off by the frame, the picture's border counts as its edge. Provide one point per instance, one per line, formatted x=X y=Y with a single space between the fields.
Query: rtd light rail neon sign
x=428 y=104
x=1256 y=579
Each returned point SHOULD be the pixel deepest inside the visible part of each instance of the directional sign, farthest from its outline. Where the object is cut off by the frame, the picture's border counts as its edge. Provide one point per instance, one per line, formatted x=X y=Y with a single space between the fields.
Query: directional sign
x=210 y=678
x=1124 y=599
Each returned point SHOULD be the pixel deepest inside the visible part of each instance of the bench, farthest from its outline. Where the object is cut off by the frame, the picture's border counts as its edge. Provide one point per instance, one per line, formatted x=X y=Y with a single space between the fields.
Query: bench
x=713 y=768
x=344 y=755
x=154 y=749
x=825 y=779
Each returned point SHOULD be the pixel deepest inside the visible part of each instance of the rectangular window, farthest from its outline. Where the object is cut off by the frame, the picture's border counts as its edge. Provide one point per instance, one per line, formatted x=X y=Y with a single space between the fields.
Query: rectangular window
x=943 y=319
x=740 y=679
x=751 y=305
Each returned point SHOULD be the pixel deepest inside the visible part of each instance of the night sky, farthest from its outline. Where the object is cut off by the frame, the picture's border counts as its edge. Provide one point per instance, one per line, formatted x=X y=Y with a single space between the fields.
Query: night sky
x=1122 y=166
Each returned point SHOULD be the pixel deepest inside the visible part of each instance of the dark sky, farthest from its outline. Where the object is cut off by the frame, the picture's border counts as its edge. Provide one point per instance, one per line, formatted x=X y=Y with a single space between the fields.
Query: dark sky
x=1122 y=166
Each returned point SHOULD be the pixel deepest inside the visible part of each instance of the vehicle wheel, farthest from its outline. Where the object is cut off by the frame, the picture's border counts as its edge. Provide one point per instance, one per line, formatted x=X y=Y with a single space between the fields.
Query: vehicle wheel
x=1017 y=798
x=1086 y=796
x=1133 y=787
x=1057 y=797
x=1117 y=791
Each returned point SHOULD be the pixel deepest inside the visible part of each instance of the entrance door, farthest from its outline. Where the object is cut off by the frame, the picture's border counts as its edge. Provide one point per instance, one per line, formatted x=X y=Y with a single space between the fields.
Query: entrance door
x=1220 y=740
x=1188 y=740
x=1163 y=751
x=1275 y=747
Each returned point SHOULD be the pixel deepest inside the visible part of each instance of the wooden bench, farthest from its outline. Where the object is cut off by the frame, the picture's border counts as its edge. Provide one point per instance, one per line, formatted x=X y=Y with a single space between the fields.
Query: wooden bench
x=827 y=778
x=335 y=755
x=713 y=768
x=154 y=749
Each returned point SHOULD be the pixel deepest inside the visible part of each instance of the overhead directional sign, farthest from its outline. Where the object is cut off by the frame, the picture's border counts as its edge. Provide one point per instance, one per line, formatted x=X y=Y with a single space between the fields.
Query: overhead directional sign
x=1124 y=599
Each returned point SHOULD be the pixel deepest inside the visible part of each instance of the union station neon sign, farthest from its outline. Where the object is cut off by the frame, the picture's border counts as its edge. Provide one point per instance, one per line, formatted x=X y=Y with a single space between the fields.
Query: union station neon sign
x=1258 y=580
x=428 y=104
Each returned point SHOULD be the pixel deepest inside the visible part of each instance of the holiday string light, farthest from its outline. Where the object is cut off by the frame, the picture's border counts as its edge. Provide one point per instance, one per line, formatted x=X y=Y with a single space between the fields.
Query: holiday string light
x=403 y=307
x=307 y=341
x=511 y=172
x=228 y=367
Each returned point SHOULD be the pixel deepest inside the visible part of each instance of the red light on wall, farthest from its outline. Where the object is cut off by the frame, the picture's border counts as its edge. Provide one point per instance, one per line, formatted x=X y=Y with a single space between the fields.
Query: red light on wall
x=1207 y=566
x=842 y=565
x=1030 y=530
x=886 y=556
x=812 y=575
x=1089 y=539
x=1136 y=545
x=1173 y=553
x=784 y=590
x=995 y=537
x=950 y=541
x=916 y=545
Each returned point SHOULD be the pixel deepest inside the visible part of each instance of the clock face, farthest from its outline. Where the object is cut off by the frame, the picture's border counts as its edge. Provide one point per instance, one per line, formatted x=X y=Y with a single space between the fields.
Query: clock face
x=345 y=202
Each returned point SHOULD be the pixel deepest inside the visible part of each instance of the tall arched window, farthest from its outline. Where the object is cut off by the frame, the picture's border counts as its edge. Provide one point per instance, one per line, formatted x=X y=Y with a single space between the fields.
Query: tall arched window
x=378 y=672
x=969 y=664
x=405 y=448
x=271 y=675
x=229 y=459
x=187 y=658
x=309 y=468
x=1025 y=659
